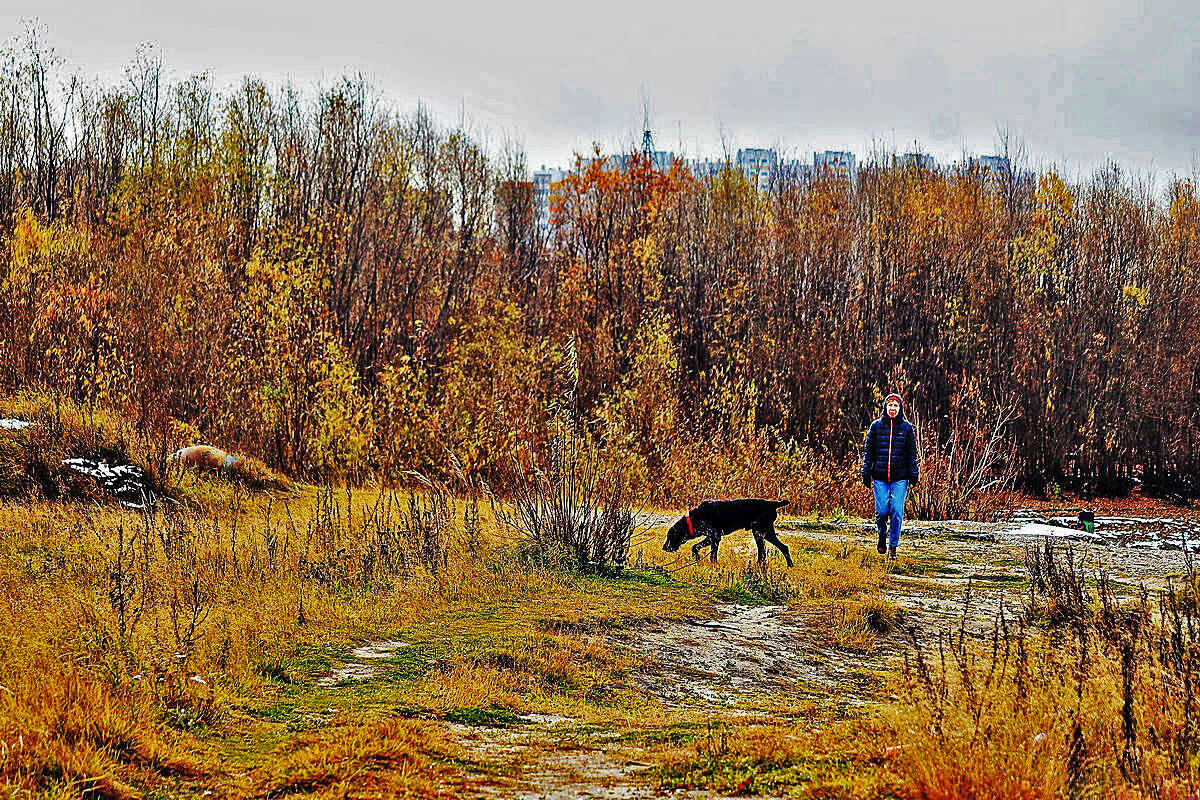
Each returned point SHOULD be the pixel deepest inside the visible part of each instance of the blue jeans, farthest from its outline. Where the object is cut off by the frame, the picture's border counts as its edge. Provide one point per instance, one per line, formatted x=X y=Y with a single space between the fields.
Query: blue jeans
x=889 y=504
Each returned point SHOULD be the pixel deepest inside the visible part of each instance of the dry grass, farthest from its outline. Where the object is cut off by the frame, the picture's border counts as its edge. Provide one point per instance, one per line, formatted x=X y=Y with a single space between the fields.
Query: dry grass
x=395 y=758
x=143 y=636
x=62 y=727
x=1094 y=694
x=849 y=581
x=180 y=647
x=131 y=634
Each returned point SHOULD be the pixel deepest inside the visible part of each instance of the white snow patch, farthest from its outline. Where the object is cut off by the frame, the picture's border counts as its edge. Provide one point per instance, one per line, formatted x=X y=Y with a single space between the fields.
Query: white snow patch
x=126 y=482
x=1039 y=529
x=1143 y=533
x=14 y=424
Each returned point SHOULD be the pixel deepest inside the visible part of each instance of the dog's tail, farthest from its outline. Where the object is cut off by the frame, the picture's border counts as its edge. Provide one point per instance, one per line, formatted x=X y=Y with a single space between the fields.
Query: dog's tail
x=781 y=503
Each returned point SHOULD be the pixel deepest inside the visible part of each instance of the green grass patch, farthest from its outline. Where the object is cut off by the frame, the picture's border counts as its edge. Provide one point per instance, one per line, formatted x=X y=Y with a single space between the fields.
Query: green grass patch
x=309 y=661
x=756 y=587
x=274 y=670
x=723 y=761
x=673 y=735
x=409 y=663
x=484 y=717
x=741 y=775
x=645 y=577
x=279 y=712
x=924 y=565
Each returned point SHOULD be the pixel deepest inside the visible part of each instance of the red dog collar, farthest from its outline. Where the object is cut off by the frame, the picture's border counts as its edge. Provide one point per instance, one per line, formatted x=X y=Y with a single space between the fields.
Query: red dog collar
x=691 y=530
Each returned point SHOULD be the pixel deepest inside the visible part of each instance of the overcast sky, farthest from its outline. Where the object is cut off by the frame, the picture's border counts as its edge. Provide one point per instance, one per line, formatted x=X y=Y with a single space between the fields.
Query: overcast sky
x=1080 y=82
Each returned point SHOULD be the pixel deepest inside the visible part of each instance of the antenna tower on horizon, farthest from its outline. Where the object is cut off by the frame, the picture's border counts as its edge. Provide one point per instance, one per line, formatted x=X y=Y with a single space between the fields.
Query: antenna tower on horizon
x=647 y=137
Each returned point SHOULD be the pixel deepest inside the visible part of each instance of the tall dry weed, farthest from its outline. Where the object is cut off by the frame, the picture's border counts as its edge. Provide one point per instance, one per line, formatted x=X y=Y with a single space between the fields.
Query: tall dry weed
x=1100 y=701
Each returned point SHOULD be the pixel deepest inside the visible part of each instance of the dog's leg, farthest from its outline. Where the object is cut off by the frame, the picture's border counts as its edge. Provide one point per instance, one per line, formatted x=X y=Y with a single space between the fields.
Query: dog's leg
x=696 y=549
x=715 y=538
x=773 y=538
x=762 y=547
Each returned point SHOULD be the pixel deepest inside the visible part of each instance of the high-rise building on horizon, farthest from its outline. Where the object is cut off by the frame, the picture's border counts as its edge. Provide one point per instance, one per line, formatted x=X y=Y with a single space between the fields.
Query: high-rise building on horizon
x=997 y=164
x=839 y=162
x=543 y=180
x=920 y=160
x=758 y=164
x=706 y=168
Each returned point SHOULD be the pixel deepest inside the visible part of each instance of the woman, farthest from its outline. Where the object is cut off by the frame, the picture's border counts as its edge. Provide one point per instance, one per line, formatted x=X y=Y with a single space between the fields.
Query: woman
x=890 y=467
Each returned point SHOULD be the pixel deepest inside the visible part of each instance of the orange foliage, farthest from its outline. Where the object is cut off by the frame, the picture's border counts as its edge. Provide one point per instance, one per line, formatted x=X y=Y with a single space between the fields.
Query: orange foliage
x=345 y=291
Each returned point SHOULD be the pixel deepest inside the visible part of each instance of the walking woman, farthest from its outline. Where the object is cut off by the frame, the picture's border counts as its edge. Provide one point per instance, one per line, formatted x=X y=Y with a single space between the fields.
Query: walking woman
x=890 y=467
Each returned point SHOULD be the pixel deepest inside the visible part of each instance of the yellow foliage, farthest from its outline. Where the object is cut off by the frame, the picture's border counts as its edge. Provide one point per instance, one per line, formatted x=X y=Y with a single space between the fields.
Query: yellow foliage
x=1136 y=294
x=341 y=444
x=1039 y=254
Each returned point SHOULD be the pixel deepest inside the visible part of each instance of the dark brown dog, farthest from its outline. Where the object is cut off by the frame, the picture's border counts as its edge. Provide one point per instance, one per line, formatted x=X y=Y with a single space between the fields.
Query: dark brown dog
x=712 y=519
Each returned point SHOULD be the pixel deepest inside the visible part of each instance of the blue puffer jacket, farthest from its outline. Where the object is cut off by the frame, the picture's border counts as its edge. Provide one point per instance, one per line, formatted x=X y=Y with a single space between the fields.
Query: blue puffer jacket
x=891 y=449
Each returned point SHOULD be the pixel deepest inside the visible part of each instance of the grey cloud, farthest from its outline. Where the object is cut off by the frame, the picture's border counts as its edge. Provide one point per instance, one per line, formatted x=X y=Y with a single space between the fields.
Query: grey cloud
x=1081 y=81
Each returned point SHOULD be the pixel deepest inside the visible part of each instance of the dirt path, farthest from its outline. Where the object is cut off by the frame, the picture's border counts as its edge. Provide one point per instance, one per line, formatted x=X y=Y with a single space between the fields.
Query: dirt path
x=746 y=662
x=1130 y=548
x=751 y=661
x=364 y=662
x=745 y=657
x=554 y=758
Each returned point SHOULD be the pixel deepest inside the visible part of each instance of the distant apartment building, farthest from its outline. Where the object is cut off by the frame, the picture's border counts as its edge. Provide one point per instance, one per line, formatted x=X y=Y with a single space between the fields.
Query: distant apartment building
x=998 y=165
x=758 y=164
x=543 y=178
x=706 y=168
x=762 y=165
x=839 y=162
x=918 y=160
x=793 y=171
x=662 y=159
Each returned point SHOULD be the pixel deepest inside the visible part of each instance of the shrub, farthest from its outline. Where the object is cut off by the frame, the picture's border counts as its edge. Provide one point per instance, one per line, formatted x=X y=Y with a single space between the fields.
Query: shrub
x=566 y=508
x=965 y=470
x=568 y=511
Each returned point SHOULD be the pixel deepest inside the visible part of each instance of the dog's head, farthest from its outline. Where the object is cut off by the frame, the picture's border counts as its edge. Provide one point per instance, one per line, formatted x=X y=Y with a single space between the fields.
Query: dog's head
x=679 y=533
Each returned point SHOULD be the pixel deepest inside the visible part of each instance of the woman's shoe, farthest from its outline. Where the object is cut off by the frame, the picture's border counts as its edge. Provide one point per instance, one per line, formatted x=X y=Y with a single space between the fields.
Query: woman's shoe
x=891 y=551
x=882 y=545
